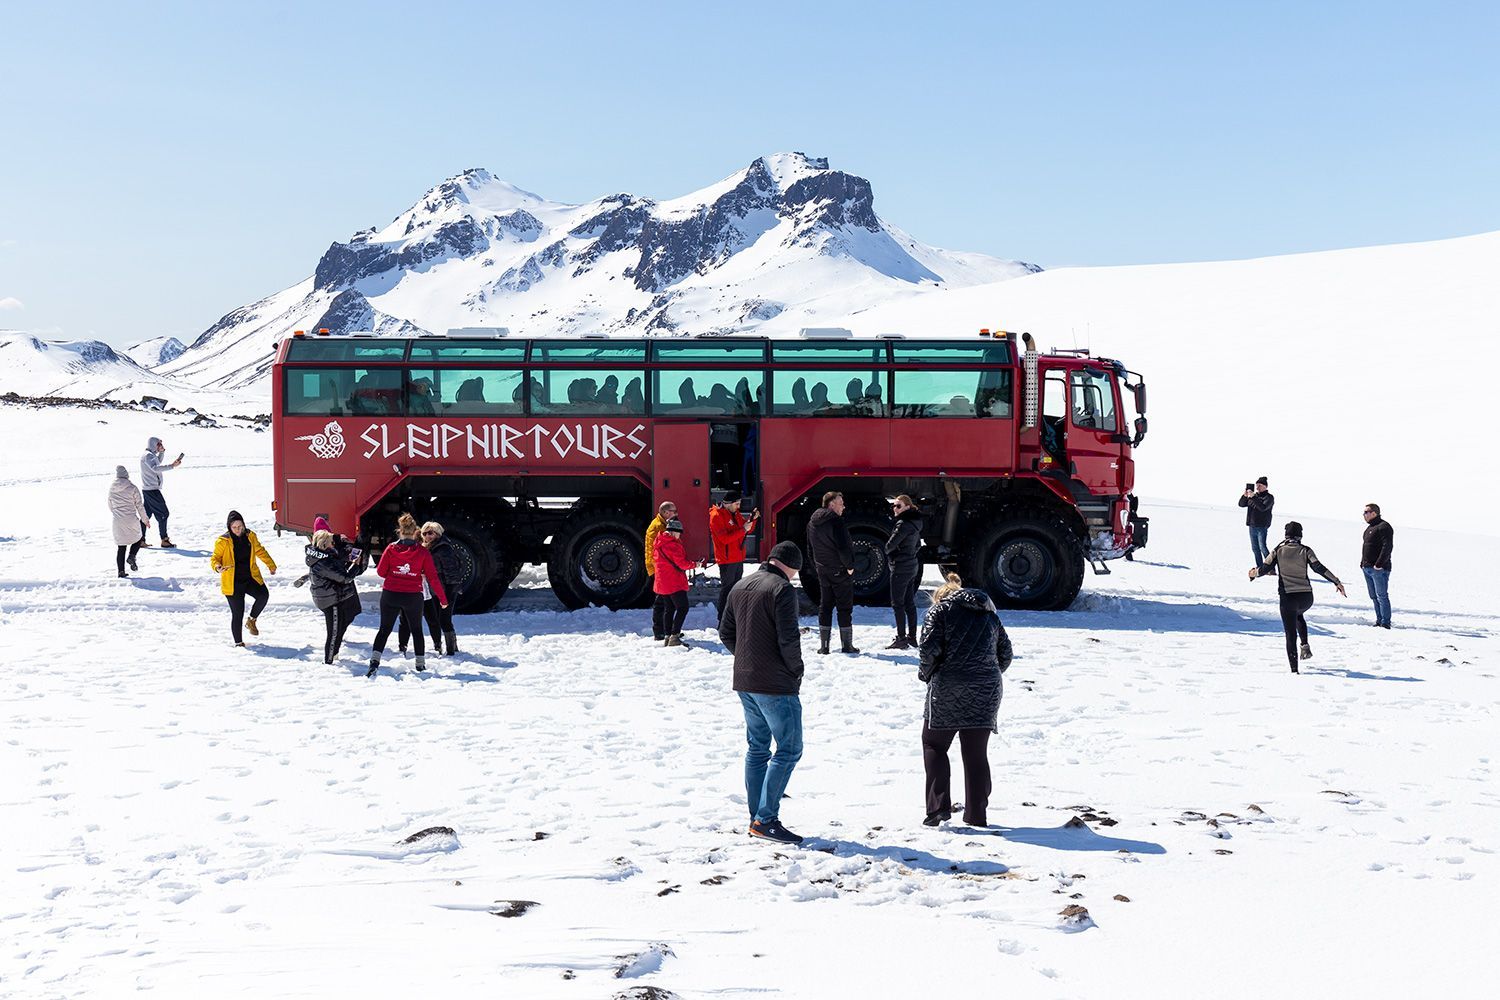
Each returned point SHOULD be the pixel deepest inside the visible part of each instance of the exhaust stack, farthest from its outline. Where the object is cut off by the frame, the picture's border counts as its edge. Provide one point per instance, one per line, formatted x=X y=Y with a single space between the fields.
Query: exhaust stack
x=1033 y=404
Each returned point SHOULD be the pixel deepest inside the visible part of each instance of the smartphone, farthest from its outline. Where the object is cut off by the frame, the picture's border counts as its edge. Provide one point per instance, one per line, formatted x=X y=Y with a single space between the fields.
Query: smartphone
x=1249 y=487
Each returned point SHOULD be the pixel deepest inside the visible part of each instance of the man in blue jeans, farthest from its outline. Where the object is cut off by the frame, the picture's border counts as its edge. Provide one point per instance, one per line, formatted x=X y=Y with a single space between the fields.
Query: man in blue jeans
x=760 y=628
x=1375 y=561
x=1258 y=501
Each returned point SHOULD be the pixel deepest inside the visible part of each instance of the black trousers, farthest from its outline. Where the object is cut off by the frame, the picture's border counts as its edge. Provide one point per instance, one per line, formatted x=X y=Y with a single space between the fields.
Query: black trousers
x=729 y=575
x=836 y=590
x=120 y=557
x=671 y=611
x=408 y=608
x=973 y=747
x=260 y=595
x=658 y=612
x=904 y=601
x=1293 y=607
x=439 y=620
x=337 y=619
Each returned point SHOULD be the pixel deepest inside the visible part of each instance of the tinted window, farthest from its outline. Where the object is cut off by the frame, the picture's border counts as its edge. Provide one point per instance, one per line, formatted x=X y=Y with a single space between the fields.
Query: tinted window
x=466 y=392
x=727 y=351
x=980 y=352
x=824 y=393
x=466 y=350
x=735 y=392
x=828 y=351
x=345 y=349
x=598 y=392
x=953 y=394
x=343 y=392
x=587 y=350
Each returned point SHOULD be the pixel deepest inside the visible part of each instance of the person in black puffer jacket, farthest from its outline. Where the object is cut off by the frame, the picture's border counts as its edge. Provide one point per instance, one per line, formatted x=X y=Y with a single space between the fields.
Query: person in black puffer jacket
x=964 y=651
x=451 y=572
x=332 y=565
x=906 y=570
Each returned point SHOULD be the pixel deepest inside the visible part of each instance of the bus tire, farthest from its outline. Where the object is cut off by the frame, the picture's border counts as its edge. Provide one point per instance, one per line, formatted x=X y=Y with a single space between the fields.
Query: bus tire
x=872 y=569
x=1029 y=559
x=476 y=539
x=598 y=558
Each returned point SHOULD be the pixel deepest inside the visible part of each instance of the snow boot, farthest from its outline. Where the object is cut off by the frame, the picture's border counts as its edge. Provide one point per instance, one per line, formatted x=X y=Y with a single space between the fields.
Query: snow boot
x=911 y=638
x=437 y=644
x=146 y=545
x=1306 y=651
x=251 y=627
x=124 y=575
x=452 y=639
x=773 y=830
x=900 y=642
x=676 y=640
x=133 y=567
x=374 y=665
x=824 y=634
x=166 y=543
x=846 y=640
x=421 y=662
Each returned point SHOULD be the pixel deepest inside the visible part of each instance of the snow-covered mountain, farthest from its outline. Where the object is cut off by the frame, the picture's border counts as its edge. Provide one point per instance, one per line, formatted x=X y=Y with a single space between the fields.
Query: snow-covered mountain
x=785 y=242
x=155 y=352
x=90 y=369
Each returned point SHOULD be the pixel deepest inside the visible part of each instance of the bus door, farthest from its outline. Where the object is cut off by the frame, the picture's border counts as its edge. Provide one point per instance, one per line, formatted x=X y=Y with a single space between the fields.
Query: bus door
x=680 y=457
x=1094 y=436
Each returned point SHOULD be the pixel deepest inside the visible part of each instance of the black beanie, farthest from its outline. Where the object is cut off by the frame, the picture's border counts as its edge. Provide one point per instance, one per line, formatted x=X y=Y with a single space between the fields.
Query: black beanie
x=1262 y=481
x=1294 y=529
x=788 y=554
x=234 y=516
x=673 y=525
x=731 y=497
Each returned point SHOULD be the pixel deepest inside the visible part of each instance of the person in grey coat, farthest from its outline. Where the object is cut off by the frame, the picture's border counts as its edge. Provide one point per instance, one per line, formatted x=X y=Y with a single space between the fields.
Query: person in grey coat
x=332 y=565
x=128 y=519
x=964 y=650
x=1290 y=562
x=152 y=468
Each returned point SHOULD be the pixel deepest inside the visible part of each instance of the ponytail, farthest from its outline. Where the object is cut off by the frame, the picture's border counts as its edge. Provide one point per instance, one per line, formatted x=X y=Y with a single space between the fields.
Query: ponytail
x=954 y=585
x=406 y=526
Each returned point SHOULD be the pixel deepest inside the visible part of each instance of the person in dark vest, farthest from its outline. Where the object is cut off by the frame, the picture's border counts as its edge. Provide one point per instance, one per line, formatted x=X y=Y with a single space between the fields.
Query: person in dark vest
x=1290 y=561
x=729 y=528
x=832 y=556
x=906 y=571
x=1375 y=562
x=1258 y=501
x=760 y=629
x=964 y=650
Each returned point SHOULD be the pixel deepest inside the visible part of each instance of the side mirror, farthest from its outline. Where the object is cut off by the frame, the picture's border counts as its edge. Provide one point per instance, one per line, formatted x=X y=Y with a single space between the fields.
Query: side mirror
x=1140 y=430
x=1140 y=397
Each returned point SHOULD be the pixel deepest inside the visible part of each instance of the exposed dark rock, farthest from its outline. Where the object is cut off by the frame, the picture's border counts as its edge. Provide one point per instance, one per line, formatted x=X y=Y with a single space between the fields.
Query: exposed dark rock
x=512 y=907
x=431 y=831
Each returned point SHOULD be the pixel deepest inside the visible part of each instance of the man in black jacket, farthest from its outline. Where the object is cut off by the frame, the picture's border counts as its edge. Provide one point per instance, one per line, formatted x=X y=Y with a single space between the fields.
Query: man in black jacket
x=1258 y=501
x=832 y=557
x=1375 y=560
x=760 y=628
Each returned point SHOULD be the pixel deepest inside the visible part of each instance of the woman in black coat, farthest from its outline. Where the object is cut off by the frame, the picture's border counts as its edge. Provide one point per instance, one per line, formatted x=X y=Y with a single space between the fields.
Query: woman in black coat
x=964 y=650
x=332 y=565
x=906 y=571
x=450 y=571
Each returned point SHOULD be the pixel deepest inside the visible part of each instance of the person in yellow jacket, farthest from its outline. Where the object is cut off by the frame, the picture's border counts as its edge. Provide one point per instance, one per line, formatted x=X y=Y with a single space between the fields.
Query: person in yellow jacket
x=235 y=553
x=664 y=513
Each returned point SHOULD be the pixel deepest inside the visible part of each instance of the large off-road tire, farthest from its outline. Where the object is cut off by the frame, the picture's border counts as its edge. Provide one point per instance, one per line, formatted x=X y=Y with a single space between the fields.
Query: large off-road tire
x=598 y=557
x=1028 y=558
x=476 y=539
x=872 y=569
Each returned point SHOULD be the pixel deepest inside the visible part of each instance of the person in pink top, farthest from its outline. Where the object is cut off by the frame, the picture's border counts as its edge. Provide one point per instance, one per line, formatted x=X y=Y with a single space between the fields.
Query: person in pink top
x=404 y=565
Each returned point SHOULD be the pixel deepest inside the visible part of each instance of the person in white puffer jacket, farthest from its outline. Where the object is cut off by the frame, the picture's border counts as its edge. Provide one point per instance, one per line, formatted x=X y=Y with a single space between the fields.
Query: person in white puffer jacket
x=128 y=516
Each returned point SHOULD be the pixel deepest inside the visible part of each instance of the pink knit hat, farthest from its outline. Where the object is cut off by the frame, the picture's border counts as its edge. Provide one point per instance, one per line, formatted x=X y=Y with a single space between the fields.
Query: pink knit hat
x=320 y=523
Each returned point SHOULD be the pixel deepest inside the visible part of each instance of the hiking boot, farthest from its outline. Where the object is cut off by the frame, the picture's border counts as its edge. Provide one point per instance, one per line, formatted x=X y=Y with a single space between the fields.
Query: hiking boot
x=676 y=640
x=374 y=666
x=1383 y=624
x=250 y=626
x=1306 y=651
x=421 y=662
x=146 y=545
x=239 y=645
x=846 y=641
x=452 y=640
x=166 y=543
x=133 y=567
x=900 y=642
x=911 y=639
x=124 y=575
x=824 y=634
x=773 y=830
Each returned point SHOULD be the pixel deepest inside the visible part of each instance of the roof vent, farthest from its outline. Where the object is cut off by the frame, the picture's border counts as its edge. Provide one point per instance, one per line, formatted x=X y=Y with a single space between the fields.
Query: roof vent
x=890 y=336
x=825 y=333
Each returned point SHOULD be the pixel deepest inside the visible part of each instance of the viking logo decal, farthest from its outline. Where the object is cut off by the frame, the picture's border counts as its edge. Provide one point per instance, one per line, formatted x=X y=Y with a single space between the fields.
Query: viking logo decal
x=328 y=444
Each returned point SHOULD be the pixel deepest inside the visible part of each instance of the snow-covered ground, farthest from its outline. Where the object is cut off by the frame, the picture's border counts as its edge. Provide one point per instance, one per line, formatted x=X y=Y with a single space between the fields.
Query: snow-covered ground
x=184 y=818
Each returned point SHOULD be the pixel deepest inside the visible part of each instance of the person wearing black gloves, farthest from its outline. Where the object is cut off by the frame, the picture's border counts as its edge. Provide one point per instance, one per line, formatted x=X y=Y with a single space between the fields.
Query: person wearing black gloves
x=832 y=556
x=1258 y=501
x=906 y=572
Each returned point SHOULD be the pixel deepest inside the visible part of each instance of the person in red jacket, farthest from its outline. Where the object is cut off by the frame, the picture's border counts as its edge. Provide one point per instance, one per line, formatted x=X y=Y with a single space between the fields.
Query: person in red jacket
x=729 y=529
x=404 y=565
x=671 y=581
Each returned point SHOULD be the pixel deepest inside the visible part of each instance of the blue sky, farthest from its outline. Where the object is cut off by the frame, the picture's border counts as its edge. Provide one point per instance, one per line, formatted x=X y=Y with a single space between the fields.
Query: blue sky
x=159 y=169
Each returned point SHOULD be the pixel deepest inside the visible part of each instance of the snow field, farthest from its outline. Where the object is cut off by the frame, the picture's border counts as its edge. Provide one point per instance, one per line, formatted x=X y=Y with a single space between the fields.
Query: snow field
x=184 y=818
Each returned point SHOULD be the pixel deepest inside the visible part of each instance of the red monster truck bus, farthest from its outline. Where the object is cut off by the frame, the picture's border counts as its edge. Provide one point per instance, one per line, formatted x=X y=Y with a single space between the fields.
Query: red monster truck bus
x=557 y=452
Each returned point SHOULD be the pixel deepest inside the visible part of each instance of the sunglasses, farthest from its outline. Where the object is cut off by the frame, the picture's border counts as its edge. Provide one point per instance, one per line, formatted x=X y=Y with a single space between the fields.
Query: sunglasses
x=429 y=534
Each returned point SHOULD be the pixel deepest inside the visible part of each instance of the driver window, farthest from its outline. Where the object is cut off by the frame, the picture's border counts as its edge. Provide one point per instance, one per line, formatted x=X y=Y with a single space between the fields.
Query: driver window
x=1093 y=400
